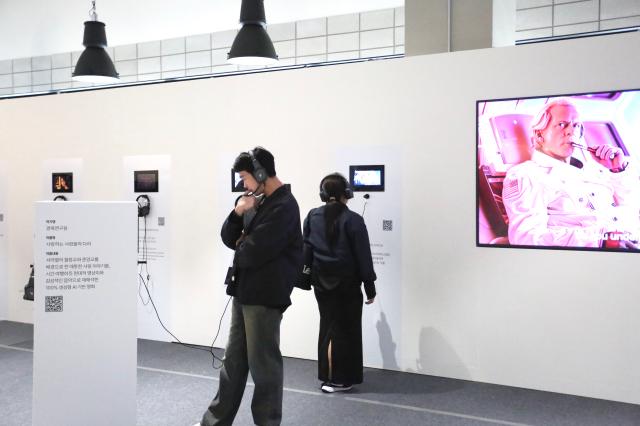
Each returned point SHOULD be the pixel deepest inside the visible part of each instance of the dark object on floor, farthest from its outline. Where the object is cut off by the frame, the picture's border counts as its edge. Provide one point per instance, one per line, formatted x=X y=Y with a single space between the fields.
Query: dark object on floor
x=28 y=289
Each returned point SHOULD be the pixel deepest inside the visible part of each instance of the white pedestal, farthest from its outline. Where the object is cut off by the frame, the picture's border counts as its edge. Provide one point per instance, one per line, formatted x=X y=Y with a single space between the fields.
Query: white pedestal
x=84 y=361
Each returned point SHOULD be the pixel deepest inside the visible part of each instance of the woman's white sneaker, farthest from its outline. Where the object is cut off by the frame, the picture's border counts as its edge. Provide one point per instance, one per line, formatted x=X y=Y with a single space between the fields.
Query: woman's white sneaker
x=333 y=387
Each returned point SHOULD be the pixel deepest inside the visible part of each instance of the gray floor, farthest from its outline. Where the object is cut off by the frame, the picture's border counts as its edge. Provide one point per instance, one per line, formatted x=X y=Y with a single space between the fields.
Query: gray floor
x=175 y=385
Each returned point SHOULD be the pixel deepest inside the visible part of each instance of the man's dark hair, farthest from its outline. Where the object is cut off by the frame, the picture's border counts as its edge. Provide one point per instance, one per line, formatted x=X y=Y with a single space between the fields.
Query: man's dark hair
x=243 y=161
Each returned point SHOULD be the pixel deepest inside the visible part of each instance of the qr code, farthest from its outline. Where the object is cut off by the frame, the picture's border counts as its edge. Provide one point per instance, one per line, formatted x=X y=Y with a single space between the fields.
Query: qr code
x=53 y=303
x=387 y=225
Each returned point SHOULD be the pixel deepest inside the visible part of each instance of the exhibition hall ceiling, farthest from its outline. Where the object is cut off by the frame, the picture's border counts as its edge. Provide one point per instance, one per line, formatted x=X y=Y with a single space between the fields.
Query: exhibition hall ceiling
x=38 y=27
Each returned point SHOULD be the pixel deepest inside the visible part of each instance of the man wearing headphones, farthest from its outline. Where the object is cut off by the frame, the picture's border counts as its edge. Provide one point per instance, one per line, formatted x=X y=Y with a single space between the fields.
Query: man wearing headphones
x=264 y=230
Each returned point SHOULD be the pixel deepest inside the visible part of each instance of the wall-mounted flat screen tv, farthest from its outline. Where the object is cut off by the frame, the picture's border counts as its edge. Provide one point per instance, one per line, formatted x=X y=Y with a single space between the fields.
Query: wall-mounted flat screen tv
x=367 y=178
x=559 y=172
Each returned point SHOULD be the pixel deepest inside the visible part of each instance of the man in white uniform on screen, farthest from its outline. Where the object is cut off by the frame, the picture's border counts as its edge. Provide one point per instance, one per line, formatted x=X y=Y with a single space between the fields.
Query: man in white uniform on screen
x=554 y=200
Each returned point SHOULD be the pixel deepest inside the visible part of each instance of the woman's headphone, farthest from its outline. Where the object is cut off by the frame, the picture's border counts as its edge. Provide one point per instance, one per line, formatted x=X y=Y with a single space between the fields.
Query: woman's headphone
x=60 y=198
x=259 y=173
x=144 y=205
x=348 y=192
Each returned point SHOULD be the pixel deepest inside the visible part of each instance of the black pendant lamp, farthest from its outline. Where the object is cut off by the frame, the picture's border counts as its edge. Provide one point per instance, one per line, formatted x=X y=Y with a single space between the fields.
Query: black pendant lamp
x=252 y=45
x=94 y=64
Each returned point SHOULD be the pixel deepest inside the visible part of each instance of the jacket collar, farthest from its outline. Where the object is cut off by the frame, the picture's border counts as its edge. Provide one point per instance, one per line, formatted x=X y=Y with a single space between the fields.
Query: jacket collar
x=278 y=193
x=545 y=160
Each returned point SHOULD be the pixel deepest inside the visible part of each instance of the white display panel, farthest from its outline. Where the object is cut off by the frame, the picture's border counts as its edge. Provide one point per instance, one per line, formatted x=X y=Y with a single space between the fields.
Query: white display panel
x=84 y=361
x=153 y=246
x=381 y=321
x=4 y=288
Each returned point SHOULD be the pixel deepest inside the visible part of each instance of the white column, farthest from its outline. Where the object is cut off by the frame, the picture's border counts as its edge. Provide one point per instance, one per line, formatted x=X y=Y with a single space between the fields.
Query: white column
x=504 y=23
x=426 y=26
x=437 y=26
x=4 y=285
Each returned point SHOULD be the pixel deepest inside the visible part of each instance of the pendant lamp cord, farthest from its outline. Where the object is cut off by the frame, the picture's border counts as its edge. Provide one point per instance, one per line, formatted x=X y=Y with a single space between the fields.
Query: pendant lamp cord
x=92 y=12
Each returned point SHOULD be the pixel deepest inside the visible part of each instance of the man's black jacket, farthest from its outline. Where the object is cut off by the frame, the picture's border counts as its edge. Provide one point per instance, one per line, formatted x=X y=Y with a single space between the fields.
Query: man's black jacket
x=269 y=257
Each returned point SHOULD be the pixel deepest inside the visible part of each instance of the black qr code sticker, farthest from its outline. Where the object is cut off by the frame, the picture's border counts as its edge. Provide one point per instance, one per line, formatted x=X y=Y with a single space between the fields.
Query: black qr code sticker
x=53 y=303
x=387 y=225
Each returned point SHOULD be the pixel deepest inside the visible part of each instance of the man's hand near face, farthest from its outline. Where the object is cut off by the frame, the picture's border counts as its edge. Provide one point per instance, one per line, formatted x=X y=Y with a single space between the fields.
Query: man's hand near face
x=610 y=157
x=246 y=202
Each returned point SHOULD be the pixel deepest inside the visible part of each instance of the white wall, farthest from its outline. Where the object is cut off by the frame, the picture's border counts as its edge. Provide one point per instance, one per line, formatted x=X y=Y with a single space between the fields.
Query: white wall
x=54 y=26
x=561 y=321
x=4 y=288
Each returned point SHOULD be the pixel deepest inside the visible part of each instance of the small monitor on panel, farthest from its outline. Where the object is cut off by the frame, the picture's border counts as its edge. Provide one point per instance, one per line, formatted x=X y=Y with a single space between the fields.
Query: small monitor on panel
x=367 y=178
x=145 y=181
x=61 y=182
x=236 y=182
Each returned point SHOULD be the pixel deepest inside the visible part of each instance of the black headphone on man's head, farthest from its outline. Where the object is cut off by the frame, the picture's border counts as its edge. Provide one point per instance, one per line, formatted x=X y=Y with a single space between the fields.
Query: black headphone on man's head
x=348 y=192
x=144 y=205
x=259 y=172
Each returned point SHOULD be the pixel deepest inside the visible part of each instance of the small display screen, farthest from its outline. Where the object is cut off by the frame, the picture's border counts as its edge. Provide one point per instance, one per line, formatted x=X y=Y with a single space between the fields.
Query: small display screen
x=61 y=183
x=236 y=182
x=145 y=181
x=367 y=178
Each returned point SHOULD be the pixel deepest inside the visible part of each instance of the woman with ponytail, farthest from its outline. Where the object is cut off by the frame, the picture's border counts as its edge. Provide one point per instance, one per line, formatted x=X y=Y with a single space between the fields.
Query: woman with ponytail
x=338 y=258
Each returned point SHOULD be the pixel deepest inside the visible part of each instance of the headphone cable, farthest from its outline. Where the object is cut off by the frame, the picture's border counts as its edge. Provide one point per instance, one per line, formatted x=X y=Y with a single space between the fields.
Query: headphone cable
x=142 y=262
x=187 y=345
x=145 y=262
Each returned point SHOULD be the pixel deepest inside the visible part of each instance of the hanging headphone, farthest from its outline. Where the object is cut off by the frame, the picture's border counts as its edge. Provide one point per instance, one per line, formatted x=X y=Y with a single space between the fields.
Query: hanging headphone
x=259 y=173
x=348 y=192
x=144 y=205
x=60 y=198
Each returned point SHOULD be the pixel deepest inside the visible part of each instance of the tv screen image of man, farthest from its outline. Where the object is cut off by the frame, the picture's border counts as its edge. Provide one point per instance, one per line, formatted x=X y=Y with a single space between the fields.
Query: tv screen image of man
x=264 y=230
x=556 y=200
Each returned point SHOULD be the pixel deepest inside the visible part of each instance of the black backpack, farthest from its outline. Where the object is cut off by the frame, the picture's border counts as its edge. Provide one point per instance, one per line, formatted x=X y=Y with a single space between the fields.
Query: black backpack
x=28 y=289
